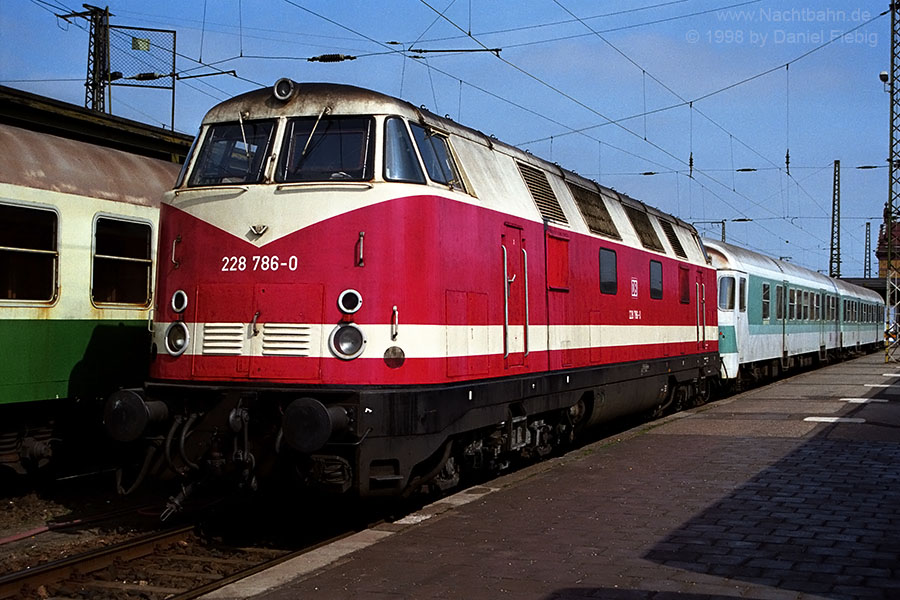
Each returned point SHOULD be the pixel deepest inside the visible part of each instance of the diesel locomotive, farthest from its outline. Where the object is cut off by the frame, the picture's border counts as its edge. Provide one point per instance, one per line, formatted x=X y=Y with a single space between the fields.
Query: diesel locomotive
x=374 y=298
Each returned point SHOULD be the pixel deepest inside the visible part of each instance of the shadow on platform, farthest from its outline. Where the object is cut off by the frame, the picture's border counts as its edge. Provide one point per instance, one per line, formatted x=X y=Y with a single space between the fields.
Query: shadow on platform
x=823 y=520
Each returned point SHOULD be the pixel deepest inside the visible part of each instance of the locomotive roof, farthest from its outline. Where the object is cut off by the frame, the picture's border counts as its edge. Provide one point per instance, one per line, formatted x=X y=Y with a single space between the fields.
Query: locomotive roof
x=341 y=99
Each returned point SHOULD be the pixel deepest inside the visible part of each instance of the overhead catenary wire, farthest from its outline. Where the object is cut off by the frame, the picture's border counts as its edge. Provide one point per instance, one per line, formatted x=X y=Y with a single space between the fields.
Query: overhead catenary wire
x=631 y=132
x=462 y=83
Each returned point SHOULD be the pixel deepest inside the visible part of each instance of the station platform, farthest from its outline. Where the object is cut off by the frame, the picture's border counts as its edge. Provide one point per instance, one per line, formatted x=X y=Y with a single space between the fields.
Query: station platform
x=791 y=490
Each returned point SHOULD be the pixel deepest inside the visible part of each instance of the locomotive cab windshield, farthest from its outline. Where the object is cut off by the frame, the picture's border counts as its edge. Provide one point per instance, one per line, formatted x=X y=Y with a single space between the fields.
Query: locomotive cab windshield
x=327 y=149
x=233 y=153
x=322 y=148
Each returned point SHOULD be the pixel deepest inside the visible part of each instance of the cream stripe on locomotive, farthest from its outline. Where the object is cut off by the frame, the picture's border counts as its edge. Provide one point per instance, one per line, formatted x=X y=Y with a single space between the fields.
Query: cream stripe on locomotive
x=423 y=341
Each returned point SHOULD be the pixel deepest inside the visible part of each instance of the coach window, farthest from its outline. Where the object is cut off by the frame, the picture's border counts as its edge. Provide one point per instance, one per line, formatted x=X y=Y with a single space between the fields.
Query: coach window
x=233 y=153
x=28 y=253
x=435 y=151
x=726 y=293
x=656 y=280
x=742 y=296
x=792 y=304
x=609 y=280
x=121 y=273
x=805 y=305
x=327 y=149
x=766 y=308
x=400 y=161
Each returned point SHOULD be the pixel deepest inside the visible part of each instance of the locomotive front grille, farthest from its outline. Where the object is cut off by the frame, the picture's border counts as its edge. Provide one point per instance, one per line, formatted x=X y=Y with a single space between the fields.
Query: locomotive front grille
x=286 y=339
x=224 y=339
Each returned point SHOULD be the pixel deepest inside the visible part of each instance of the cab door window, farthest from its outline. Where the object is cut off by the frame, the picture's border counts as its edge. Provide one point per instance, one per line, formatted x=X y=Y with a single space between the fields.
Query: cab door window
x=726 y=293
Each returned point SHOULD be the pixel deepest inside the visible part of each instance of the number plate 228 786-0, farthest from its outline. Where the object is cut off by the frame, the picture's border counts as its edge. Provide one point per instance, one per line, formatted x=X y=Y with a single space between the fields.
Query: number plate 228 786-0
x=258 y=263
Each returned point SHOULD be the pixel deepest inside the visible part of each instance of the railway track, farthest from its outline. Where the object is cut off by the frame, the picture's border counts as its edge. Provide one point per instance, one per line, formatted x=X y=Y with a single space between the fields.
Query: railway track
x=173 y=564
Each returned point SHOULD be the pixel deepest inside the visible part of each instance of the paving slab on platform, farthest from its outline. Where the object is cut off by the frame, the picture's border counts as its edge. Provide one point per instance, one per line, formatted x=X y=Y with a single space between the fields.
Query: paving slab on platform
x=745 y=498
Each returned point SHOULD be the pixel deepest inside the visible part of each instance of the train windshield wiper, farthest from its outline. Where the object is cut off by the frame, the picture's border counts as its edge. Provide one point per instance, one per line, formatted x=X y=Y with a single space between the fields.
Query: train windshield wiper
x=324 y=112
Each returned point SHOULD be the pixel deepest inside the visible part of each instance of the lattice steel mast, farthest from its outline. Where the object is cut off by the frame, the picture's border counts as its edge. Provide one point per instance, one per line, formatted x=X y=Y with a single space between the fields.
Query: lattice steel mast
x=892 y=340
x=98 y=56
x=867 y=261
x=834 y=265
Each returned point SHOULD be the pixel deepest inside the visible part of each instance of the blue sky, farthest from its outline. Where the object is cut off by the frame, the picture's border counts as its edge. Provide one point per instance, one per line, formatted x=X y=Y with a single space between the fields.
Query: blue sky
x=566 y=69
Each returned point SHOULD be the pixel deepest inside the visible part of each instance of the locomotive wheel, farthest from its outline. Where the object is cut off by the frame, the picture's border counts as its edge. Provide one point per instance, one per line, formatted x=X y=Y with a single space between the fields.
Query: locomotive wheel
x=703 y=393
x=449 y=476
x=662 y=408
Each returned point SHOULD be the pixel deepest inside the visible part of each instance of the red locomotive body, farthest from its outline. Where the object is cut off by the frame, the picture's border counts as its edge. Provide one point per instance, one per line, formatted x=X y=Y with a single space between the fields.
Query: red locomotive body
x=381 y=298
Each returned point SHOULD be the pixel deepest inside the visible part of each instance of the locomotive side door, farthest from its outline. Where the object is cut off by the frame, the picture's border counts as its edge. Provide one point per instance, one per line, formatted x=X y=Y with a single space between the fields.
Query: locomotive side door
x=700 y=291
x=515 y=296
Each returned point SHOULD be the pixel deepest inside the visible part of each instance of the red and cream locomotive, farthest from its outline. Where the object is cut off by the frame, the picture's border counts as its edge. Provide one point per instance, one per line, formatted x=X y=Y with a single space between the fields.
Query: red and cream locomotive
x=379 y=298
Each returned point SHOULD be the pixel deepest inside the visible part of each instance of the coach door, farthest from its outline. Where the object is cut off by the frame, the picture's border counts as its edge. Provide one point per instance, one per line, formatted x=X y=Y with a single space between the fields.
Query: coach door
x=741 y=318
x=790 y=307
x=819 y=300
x=515 y=297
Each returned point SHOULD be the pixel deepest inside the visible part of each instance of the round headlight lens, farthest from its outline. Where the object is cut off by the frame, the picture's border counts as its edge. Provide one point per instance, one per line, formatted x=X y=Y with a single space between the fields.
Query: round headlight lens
x=347 y=341
x=179 y=301
x=177 y=338
x=349 y=301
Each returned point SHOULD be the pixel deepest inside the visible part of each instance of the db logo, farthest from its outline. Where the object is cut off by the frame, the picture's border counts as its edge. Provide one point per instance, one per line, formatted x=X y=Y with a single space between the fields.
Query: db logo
x=634 y=288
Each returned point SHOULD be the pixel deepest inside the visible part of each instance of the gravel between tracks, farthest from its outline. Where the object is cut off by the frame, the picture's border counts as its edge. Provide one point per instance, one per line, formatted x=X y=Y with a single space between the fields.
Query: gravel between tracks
x=30 y=511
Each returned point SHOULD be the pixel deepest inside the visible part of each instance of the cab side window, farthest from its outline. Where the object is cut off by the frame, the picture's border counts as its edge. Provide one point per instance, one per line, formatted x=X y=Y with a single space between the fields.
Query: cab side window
x=400 y=160
x=435 y=150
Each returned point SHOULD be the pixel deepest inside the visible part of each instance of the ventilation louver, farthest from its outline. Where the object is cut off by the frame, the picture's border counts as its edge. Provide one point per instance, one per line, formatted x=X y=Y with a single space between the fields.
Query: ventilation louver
x=594 y=211
x=642 y=226
x=542 y=193
x=669 y=230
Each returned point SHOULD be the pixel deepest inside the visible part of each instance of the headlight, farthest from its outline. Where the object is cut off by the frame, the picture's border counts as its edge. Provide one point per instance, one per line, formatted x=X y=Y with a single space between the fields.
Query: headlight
x=349 y=301
x=177 y=338
x=179 y=301
x=347 y=341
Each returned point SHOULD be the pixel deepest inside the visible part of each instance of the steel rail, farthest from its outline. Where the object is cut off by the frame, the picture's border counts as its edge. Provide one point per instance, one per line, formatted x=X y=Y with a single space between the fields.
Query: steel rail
x=49 y=573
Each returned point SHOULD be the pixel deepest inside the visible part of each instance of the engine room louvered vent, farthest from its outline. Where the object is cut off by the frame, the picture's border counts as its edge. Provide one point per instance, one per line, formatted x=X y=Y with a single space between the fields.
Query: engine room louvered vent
x=669 y=230
x=225 y=339
x=540 y=189
x=641 y=223
x=594 y=211
x=286 y=339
